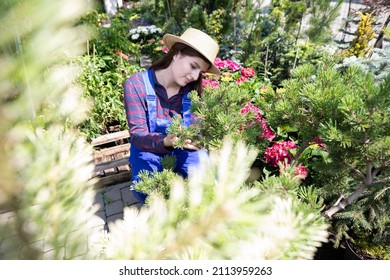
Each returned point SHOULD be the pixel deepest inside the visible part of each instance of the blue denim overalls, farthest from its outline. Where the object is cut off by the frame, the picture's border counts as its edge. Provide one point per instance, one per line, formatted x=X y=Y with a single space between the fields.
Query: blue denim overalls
x=141 y=160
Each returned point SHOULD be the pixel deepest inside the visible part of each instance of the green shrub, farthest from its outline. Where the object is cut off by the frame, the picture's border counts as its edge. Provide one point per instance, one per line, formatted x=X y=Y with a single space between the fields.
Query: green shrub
x=103 y=88
x=348 y=110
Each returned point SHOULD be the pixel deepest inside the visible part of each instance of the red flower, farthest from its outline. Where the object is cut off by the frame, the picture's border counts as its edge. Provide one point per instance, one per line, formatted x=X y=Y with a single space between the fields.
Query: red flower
x=233 y=66
x=301 y=172
x=279 y=152
x=241 y=80
x=248 y=72
x=267 y=132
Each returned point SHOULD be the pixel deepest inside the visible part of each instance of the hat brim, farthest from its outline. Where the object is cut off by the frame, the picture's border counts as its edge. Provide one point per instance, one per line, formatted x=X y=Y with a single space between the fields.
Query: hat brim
x=169 y=40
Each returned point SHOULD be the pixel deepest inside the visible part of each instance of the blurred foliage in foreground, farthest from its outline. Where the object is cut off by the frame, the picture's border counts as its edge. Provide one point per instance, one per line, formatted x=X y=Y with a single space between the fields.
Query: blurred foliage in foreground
x=44 y=189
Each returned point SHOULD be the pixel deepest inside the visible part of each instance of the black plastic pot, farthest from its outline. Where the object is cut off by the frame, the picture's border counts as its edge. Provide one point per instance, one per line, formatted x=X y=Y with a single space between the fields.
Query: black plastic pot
x=350 y=253
x=328 y=252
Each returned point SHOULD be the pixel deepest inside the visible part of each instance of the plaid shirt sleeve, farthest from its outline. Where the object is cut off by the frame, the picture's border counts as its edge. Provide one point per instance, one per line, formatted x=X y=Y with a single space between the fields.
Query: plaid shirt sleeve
x=136 y=111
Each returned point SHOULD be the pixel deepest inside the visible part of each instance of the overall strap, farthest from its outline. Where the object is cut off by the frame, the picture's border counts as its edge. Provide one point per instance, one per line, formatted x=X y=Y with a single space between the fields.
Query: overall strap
x=150 y=101
x=186 y=102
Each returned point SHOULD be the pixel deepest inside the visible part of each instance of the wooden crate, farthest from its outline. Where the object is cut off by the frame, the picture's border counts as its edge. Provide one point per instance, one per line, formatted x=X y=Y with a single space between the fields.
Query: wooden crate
x=111 y=156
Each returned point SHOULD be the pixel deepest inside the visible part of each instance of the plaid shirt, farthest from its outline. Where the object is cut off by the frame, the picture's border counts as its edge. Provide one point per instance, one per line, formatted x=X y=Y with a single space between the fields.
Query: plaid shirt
x=136 y=112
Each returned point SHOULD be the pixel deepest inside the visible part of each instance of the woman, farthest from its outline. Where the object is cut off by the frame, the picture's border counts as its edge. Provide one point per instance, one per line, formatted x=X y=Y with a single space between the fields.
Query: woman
x=153 y=97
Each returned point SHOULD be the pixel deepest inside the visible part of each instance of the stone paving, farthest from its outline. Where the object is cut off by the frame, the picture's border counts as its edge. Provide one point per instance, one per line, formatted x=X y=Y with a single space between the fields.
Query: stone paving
x=111 y=201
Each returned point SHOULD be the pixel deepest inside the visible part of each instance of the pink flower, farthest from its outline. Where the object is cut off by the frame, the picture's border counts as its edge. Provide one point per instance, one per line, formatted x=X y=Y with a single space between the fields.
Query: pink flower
x=248 y=72
x=290 y=145
x=250 y=108
x=241 y=80
x=279 y=152
x=233 y=66
x=210 y=83
x=165 y=49
x=267 y=132
x=219 y=63
x=301 y=172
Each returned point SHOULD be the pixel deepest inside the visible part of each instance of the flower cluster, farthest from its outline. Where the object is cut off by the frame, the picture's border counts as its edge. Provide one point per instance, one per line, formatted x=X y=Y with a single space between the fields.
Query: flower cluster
x=144 y=32
x=266 y=130
x=227 y=64
x=301 y=172
x=248 y=72
x=210 y=83
x=231 y=71
x=279 y=152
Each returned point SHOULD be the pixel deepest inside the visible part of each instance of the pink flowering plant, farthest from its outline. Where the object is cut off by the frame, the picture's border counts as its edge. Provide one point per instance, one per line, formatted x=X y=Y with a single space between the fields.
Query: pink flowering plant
x=231 y=72
x=280 y=152
x=284 y=154
x=266 y=131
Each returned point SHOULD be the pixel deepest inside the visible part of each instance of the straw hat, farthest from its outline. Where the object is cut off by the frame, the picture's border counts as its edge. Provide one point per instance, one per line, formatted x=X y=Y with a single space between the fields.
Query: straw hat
x=199 y=41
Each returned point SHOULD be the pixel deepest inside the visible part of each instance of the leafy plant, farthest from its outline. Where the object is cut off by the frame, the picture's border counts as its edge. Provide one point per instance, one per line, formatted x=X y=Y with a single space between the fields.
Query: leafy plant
x=103 y=87
x=157 y=182
x=215 y=24
x=112 y=37
x=378 y=64
x=184 y=132
x=367 y=249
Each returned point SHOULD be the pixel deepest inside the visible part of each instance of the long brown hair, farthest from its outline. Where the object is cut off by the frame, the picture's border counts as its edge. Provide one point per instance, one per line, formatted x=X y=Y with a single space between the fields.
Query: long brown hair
x=166 y=60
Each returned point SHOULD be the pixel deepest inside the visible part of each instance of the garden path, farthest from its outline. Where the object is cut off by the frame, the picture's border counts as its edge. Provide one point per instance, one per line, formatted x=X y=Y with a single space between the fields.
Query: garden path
x=111 y=200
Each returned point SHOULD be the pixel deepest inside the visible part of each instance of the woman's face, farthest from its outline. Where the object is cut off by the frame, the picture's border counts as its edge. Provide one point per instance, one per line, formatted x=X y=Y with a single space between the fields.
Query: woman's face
x=186 y=69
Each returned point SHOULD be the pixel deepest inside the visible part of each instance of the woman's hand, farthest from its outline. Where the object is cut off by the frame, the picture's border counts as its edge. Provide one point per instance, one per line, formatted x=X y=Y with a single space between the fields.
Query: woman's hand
x=189 y=146
x=170 y=139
